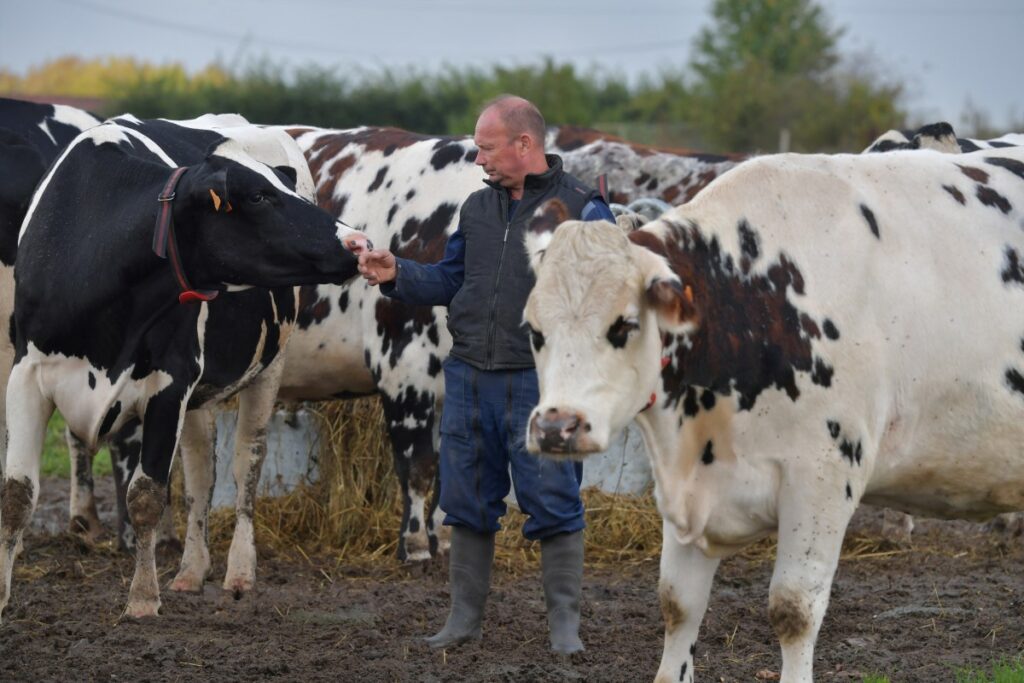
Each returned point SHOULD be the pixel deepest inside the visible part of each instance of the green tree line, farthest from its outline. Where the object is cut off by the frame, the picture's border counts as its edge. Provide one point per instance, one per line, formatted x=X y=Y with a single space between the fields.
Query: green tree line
x=760 y=72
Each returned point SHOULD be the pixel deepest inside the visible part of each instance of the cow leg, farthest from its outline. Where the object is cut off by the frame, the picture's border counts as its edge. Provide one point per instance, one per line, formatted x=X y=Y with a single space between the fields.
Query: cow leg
x=125 y=452
x=440 y=535
x=28 y=412
x=147 y=497
x=683 y=589
x=415 y=457
x=84 y=519
x=811 y=529
x=897 y=527
x=255 y=407
x=198 y=459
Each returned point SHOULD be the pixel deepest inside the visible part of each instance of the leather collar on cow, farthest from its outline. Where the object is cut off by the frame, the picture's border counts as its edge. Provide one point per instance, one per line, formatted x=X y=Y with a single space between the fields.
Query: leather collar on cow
x=166 y=244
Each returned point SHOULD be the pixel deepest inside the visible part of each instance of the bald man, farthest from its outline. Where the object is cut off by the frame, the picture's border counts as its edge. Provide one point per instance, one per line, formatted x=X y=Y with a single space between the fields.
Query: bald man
x=490 y=380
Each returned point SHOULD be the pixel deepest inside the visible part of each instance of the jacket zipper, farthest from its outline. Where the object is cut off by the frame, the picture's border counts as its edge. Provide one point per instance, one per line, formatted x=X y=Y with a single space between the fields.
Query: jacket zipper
x=491 y=331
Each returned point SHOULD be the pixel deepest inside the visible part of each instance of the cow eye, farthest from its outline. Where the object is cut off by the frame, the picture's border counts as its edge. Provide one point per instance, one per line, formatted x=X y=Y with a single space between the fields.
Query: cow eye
x=536 y=338
x=257 y=197
x=618 y=332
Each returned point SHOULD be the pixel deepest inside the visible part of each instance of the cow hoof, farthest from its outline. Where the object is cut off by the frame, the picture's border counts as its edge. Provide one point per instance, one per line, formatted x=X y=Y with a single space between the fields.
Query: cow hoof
x=141 y=609
x=88 y=530
x=418 y=556
x=187 y=583
x=238 y=586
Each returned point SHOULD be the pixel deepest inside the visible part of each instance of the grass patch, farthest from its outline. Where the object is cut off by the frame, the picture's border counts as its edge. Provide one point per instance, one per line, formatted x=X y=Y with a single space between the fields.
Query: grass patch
x=56 y=462
x=1003 y=671
x=875 y=678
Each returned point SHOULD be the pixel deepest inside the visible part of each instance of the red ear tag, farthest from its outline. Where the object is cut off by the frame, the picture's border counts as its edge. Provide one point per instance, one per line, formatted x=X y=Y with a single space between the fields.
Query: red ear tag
x=665 y=360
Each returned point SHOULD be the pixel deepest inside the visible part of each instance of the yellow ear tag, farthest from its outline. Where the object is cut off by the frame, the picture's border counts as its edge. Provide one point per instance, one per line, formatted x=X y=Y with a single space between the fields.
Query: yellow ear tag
x=688 y=293
x=216 y=200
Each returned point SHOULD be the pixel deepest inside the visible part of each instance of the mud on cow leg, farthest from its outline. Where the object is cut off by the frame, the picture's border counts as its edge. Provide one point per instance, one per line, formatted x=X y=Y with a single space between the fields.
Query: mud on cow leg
x=415 y=457
x=146 y=500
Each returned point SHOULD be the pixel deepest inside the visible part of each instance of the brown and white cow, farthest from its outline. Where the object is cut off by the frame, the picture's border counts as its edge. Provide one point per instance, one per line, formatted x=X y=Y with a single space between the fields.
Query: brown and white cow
x=404 y=191
x=808 y=333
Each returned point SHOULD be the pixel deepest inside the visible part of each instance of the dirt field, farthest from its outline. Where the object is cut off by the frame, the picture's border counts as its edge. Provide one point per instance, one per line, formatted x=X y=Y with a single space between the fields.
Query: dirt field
x=957 y=599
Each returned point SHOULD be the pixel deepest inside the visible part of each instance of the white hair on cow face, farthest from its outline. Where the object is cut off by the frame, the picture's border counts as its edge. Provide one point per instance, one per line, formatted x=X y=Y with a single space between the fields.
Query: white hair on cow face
x=236 y=151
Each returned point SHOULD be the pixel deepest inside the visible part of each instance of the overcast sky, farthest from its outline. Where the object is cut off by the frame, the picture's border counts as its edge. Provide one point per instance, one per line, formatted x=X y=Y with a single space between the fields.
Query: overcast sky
x=947 y=52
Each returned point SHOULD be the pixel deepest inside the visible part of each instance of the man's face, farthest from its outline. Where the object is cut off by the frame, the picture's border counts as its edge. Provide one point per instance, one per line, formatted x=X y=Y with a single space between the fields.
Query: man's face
x=502 y=157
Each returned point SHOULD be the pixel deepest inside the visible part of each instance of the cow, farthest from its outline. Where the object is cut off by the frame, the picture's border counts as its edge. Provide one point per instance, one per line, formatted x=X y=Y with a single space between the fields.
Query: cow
x=940 y=137
x=404 y=190
x=809 y=333
x=108 y=324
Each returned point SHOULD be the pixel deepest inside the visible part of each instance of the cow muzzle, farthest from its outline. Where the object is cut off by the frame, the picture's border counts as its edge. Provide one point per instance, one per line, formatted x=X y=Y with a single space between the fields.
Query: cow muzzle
x=561 y=433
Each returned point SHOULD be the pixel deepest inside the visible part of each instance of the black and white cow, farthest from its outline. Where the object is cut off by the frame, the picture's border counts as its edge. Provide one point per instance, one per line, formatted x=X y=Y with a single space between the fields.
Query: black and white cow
x=107 y=329
x=404 y=190
x=939 y=137
x=808 y=333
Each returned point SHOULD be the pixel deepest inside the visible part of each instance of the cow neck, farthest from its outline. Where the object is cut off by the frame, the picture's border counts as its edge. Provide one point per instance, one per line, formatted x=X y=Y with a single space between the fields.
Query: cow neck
x=165 y=242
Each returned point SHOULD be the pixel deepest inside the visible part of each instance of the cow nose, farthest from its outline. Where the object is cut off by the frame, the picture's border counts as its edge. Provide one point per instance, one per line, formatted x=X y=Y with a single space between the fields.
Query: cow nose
x=556 y=430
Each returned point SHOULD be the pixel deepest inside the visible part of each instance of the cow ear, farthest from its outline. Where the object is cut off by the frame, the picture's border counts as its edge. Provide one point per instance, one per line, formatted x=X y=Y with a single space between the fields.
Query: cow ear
x=289 y=173
x=213 y=190
x=549 y=216
x=672 y=300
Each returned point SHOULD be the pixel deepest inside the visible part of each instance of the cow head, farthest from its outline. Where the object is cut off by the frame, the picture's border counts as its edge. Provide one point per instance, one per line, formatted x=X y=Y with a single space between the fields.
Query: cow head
x=597 y=316
x=241 y=223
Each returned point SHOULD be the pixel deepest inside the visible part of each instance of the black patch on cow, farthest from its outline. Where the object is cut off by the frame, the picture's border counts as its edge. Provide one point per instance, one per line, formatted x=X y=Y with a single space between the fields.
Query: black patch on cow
x=682 y=672
x=108 y=420
x=750 y=337
x=313 y=307
x=1012 y=165
x=433 y=336
x=651 y=186
x=536 y=339
x=448 y=154
x=434 y=366
x=1012 y=271
x=822 y=374
x=1015 y=379
x=92 y=380
x=410 y=194
x=850 y=450
x=391 y=212
x=990 y=197
x=708 y=456
x=833 y=428
x=690 y=406
x=471 y=154
x=967 y=145
x=707 y=399
x=343 y=301
x=641 y=179
x=849 y=491
x=618 y=332
x=414 y=526
x=869 y=216
x=831 y=331
x=378 y=179
x=748 y=241
x=693 y=649
x=432 y=227
x=999 y=144
x=957 y=194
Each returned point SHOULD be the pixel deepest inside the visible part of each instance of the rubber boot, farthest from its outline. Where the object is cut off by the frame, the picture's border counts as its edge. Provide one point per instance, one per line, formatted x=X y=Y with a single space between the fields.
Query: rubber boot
x=469 y=580
x=561 y=558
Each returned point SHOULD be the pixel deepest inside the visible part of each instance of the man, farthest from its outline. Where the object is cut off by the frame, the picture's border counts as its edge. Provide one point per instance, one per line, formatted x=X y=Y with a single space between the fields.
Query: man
x=490 y=380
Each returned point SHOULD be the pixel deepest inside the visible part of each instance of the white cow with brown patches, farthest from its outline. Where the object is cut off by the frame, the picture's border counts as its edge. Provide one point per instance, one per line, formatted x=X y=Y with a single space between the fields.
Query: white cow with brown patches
x=834 y=329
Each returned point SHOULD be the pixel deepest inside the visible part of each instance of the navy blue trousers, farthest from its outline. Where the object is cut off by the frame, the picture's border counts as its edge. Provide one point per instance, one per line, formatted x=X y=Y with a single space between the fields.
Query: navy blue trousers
x=483 y=431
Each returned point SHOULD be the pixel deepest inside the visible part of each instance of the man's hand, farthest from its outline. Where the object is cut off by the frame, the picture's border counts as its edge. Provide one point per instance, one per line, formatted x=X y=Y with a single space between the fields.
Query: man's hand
x=377 y=265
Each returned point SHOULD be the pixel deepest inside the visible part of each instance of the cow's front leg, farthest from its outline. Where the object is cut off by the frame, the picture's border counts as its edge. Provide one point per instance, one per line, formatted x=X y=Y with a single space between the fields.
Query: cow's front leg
x=125 y=453
x=84 y=519
x=683 y=589
x=147 y=496
x=28 y=411
x=410 y=423
x=812 y=522
x=255 y=407
x=198 y=459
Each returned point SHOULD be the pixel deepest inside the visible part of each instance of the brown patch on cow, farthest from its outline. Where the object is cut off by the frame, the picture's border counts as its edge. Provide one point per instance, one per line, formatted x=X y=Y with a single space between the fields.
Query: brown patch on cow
x=756 y=340
x=549 y=216
x=145 y=503
x=570 y=138
x=989 y=197
x=669 y=194
x=313 y=308
x=16 y=504
x=424 y=240
x=671 y=611
x=810 y=326
x=788 y=615
x=974 y=173
x=957 y=194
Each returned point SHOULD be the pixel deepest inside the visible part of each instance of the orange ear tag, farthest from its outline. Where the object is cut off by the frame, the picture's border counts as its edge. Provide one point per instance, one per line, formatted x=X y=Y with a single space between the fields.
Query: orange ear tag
x=216 y=200
x=688 y=293
x=227 y=210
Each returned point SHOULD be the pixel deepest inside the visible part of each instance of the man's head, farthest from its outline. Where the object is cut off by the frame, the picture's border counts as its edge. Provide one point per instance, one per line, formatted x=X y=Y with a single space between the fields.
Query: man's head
x=510 y=138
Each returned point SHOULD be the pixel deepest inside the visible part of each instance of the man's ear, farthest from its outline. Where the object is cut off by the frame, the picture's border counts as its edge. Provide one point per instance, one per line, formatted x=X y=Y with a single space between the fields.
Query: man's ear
x=672 y=300
x=549 y=216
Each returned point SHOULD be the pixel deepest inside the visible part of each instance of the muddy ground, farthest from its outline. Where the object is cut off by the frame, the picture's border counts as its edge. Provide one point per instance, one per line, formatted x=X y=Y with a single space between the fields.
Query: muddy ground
x=956 y=599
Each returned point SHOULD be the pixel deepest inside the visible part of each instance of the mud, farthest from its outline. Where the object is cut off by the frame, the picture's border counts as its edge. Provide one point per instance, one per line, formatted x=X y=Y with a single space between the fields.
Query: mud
x=956 y=599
